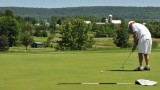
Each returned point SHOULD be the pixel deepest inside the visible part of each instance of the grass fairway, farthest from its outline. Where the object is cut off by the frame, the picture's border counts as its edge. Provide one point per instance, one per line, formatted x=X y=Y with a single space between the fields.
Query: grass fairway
x=42 y=71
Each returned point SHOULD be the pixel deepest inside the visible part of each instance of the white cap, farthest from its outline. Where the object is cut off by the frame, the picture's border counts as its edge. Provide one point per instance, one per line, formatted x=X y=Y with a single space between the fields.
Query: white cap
x=130 y=22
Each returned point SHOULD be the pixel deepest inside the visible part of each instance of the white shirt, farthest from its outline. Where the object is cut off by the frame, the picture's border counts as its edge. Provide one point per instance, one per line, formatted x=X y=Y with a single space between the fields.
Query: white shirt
x=141 y=30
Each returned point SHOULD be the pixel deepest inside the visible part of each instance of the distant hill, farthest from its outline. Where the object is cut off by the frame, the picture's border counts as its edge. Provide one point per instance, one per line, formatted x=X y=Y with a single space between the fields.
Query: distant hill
x=102 y=11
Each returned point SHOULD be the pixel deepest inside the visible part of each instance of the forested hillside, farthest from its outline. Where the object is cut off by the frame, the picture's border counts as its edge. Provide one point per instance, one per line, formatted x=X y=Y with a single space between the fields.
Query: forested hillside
x=100 y=11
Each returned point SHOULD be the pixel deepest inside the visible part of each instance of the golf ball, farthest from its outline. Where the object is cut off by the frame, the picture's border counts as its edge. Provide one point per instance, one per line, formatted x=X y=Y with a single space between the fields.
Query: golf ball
x=101 y=71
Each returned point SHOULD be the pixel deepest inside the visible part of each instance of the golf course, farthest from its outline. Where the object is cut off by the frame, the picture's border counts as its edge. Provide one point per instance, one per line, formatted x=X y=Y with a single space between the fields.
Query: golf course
x=44 y=70
x=79 y=48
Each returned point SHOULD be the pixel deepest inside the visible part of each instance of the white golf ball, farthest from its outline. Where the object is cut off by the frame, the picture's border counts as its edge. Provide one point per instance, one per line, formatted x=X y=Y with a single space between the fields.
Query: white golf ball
x=101 y=71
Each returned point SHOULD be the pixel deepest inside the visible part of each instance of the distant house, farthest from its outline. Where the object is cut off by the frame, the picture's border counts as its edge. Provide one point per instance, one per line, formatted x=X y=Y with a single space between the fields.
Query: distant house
x=47 y=23
x=37 y=24
x=57 y=25
x=37 y=45
x=87 y=22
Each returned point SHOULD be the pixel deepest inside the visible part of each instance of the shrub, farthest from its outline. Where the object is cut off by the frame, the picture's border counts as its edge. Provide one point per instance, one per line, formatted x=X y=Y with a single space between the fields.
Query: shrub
x=75 y=35
x=154 y=44
x=4 y=44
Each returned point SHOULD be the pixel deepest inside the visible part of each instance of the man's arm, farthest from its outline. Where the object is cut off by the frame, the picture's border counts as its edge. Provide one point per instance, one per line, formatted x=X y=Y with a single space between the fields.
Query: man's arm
x=135 y=37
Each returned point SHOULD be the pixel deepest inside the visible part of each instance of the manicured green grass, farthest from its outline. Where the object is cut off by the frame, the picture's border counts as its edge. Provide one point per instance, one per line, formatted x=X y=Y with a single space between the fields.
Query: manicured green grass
x=42 y=71
x=40 y=39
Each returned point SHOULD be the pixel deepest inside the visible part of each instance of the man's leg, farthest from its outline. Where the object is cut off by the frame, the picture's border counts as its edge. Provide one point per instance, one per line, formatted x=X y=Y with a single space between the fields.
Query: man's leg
x=140 y=68
x=146 y=56
x=140 y=55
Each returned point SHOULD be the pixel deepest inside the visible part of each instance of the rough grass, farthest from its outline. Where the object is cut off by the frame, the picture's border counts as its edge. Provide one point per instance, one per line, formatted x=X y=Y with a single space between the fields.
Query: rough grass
x=103 y=43
x=42 y=71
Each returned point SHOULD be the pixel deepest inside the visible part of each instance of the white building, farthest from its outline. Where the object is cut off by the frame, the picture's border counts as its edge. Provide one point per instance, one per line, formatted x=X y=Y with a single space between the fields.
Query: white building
x=100 y=23
x=87 y=22
x=116 y=21
x=37 y=24
x=110 y=20
x=47 y=24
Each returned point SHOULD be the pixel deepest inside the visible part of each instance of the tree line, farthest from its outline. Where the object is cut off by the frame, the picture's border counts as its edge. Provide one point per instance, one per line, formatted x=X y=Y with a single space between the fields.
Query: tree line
x=75 y=34
x=98 y=11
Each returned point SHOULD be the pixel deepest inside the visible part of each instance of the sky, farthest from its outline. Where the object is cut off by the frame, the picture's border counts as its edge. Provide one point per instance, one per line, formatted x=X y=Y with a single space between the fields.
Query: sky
x=77 y=3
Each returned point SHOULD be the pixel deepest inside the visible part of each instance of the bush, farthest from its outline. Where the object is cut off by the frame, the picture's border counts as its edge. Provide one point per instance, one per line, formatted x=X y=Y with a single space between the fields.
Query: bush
x=26 y=39
x=121 y=38
x=48 y=43
x=154 y=44
x=4 y=44
x=75 y=35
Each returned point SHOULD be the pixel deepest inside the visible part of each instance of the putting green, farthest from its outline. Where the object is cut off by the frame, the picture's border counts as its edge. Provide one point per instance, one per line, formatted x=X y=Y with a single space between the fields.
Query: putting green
x=30 y=71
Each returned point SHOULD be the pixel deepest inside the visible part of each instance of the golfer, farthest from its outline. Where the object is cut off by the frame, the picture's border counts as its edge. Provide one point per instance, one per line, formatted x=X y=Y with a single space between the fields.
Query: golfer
x=142 y=39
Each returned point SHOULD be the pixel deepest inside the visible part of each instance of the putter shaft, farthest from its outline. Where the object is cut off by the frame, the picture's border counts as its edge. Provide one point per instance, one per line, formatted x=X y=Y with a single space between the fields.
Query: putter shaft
x=126 y=60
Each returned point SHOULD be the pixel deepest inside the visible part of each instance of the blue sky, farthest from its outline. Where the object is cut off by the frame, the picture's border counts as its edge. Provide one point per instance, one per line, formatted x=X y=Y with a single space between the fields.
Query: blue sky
x=77 y=3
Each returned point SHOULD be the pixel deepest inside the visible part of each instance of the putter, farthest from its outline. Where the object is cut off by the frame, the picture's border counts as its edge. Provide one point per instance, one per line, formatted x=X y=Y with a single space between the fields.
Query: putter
x=126 y=60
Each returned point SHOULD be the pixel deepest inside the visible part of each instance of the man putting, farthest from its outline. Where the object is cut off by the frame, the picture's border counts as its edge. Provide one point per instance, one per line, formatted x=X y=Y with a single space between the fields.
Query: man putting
x=142 y=39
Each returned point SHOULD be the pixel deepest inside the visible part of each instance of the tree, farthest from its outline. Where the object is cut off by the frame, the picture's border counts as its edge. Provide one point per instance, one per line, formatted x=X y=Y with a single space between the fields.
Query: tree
x=52 y=27
x=4 y=43
x=103 y=19
x=154 y=28
x=121 y=37
x=110 y=29
x=59 y=21
x=102 y=31
x=75 y=35
x=48 y=42
x=27 y=27
x=26 y=39
x=9 y=27
x=1 y=13
x=9 y=13
x=40 y=31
